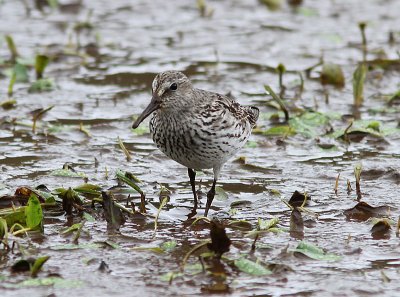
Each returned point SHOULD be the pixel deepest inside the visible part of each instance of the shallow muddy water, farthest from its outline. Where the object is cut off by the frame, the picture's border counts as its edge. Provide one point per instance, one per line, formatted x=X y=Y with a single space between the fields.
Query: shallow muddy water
x=103 y=81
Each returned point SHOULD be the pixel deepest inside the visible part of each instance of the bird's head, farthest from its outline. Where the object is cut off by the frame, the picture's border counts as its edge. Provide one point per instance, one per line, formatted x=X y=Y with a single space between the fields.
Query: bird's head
x=169 y=92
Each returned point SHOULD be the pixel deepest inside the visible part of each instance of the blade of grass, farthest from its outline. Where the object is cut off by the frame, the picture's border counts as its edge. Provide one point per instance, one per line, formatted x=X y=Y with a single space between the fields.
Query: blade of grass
x=12 y=48
x=278 y=100
x=38 y=115
x=358 y=84
x=124 y=149
x=163 y=203
x=10 y=90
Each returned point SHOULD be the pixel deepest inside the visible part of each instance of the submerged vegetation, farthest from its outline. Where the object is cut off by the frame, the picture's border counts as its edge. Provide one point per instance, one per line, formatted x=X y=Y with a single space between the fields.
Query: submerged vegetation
x=314 y=193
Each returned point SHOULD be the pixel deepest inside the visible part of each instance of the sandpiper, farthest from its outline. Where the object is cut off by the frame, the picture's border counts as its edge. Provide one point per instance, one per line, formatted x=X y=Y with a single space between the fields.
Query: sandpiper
x=196 y=128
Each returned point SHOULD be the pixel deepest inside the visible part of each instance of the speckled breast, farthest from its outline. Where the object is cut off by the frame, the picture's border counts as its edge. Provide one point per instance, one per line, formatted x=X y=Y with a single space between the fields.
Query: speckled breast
x=188 y=143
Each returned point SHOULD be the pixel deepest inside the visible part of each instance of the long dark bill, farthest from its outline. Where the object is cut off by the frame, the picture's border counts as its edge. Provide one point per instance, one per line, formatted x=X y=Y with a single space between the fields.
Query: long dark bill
x=154 y=105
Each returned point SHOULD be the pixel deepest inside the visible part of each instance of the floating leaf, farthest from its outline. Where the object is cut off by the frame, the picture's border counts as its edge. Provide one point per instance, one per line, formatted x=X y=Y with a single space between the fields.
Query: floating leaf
x=88 y=217
x=251 y=267
x=251 y=144
x=67 y=173
x=42 y=85
x=168 y=246
x=332 y=74
x=170 y=276
x=265 y=225
x=56 y=282
x=70 y=246
x=314 y=252
x=307 y=11
x=88 y=189
x=284 y=130
x=363 y=211
x=33 y=213
x=381 y=229
x=72 y=228
x=240 y=225
x=220 y=194
x=309 y=124
x=362 y=128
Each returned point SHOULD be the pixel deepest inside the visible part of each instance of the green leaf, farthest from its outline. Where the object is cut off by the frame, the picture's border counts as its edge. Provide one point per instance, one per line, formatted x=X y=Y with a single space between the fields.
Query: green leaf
x=89 y=189
x=3 y=228
x=265 y=225
x=358 y=84
x=33 y=213
x=168 y=246
x=368 y=127
x=314 y=252
x=280 y=131
x=21 y=73
x=141 y=130
x=307 y=11
x=14 y=216
x=41 y=62
x=332 y=74
x=309 y=124
x=129 y=179
x=170 y=276
x=11 y=46
x=57 y=282
x=70 y=246
x=72 y=228
x=251 y=267
x=251 y=144
x=42 y=85
x=111 y=244
x=220 y=194
x=88 y=217
x=67 y=173
x=38 y=264
x=272 y=4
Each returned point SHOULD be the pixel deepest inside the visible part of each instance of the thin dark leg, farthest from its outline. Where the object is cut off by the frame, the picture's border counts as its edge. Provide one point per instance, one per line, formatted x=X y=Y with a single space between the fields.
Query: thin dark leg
x=192 y=176
x=210 y=197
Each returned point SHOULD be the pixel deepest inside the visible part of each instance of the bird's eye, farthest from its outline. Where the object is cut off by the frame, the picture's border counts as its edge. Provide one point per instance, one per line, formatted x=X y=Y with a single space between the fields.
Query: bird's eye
x=173 y=87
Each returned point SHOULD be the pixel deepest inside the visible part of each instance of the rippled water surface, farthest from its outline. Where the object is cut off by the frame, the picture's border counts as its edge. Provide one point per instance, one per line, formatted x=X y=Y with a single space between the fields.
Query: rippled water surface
x=103 y=81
